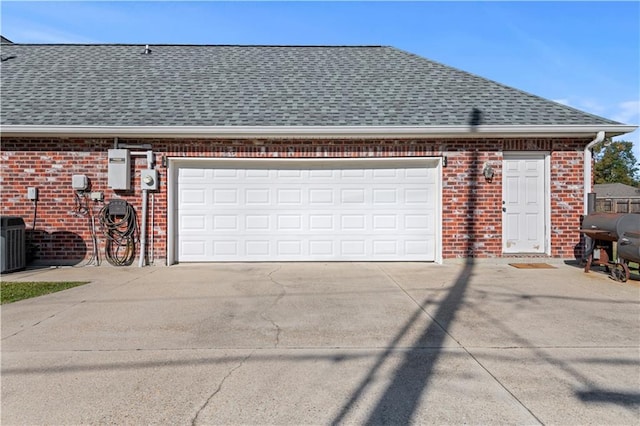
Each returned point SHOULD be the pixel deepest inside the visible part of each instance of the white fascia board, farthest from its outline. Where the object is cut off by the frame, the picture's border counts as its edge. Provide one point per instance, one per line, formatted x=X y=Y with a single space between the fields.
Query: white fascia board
x=315 y=132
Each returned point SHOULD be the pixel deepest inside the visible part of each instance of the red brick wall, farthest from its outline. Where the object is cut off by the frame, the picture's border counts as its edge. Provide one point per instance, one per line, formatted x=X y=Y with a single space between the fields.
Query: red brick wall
x=472 y=215
x=567 y=198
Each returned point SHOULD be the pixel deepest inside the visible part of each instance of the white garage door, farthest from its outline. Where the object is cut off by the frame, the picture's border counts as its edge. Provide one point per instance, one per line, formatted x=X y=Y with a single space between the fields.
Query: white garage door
x=307 y=210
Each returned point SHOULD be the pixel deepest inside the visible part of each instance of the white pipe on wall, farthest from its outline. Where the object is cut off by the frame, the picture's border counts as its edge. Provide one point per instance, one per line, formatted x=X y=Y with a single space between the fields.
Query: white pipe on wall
x=143 y=230
x=145 y=197
x=151 y=245
x=587 y=167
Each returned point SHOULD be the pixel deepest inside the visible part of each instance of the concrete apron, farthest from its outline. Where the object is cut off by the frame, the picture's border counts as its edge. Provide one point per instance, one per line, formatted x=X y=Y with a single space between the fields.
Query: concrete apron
x=320 y=343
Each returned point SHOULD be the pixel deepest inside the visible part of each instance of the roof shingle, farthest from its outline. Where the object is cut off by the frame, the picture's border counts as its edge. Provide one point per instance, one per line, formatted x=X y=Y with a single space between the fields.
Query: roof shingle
x=604 y=190
x=185 y=85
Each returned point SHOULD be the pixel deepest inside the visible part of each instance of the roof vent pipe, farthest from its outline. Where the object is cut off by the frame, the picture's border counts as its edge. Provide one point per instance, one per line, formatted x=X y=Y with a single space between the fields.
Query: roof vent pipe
x=147 y=51
x=588 y=156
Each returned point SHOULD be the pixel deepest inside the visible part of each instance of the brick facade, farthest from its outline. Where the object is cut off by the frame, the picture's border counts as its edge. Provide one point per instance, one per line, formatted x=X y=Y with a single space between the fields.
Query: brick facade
x=472 y=206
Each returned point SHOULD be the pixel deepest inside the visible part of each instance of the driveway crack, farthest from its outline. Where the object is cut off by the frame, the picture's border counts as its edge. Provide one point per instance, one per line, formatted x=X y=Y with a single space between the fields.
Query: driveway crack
x=264 y=315
x=443 y=321
x=503 y=385
x=219 y=388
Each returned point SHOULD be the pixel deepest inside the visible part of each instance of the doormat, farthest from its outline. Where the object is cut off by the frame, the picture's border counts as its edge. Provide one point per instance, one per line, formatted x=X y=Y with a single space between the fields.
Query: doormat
x=532 y=266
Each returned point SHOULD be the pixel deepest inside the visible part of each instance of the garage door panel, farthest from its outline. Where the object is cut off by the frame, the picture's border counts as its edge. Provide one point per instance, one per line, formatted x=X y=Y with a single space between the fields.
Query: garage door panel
x=358 y=211
x=194 y=175
x=320 y=174
x=254 y=247
x=417 y=196
x=385 y=196
x=193 y=222
x=321 y=222
x=224 y=173
x=417 y=173
x=225 y=196
x=252 y=174
x=290 y=196
x=257 y=196
x=353 y=222
x=194 y=196
x=289 y=222
x=289 y=248
x=193 y=248
x=418 y=248
x=352 y=173
x=418 y=222
x=226 y=222
x=385 y=247
x=351 y=248
x=385 y=173
x=259 y=222
x=321 y=248
x=352 y=195
x=428 y=176
x=385 y=222
x=321 y=196
x=289 y=174
x=227 y=248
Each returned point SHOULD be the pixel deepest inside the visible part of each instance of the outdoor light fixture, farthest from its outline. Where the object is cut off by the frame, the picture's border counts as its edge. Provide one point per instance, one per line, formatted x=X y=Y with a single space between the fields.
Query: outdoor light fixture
x=488 y=172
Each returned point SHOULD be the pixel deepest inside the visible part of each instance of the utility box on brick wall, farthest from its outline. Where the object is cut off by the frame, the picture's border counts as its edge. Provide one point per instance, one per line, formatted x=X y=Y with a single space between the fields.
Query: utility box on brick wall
x=119 y=171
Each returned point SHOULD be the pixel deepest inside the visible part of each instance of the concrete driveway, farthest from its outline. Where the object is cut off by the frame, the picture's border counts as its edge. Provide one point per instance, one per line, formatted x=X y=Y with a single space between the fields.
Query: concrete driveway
x=316 y=343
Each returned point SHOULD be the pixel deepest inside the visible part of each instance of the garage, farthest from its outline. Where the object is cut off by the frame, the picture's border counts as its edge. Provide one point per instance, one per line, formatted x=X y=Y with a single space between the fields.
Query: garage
x=227 y=210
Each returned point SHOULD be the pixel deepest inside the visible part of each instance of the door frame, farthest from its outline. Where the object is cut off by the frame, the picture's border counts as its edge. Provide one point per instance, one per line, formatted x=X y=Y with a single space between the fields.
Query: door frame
x=524 y=155
x=175 y=163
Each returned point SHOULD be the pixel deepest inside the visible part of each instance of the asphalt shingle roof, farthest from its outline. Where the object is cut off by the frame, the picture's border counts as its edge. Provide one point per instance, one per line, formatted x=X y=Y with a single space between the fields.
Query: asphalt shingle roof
x=184 y=85
x=604 y=190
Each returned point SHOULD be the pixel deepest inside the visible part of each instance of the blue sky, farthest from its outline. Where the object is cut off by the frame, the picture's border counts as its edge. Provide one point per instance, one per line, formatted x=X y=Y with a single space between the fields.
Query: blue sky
x=583 y=54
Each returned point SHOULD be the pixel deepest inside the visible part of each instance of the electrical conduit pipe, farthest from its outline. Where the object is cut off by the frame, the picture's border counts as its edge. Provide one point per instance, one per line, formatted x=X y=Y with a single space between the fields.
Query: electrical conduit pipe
x=143 y=230
x=143 y=227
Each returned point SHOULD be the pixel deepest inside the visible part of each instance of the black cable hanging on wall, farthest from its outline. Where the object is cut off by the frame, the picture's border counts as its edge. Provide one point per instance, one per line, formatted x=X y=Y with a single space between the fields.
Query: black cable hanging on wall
x=83 y=208
x=120 y=226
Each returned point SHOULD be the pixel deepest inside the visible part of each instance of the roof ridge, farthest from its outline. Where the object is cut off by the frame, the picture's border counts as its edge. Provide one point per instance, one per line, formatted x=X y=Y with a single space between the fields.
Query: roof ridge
x=205 y=45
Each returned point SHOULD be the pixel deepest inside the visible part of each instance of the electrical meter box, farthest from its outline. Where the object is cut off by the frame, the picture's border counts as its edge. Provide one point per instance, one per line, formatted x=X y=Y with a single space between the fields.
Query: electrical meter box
x=119 y=171
x=149 y=179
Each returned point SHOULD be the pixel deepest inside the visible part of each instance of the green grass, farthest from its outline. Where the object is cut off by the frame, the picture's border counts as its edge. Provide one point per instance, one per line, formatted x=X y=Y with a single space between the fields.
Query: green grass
x=12 y=291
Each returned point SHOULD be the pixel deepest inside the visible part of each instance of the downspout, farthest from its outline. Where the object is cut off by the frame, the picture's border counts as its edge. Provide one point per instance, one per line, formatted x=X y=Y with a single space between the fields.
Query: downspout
x=588 y=157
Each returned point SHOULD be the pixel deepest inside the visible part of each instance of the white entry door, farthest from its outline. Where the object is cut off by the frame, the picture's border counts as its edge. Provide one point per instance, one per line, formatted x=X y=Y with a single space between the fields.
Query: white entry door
x=289 y=210
x=524 y=203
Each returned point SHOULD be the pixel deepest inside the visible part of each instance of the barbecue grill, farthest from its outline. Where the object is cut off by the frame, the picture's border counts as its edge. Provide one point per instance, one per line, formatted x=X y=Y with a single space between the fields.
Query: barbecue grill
x=606 y=228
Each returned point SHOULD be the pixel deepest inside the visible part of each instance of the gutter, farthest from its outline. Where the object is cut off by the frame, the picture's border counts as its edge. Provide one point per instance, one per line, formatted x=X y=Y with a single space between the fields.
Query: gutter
x=588 y=157
x=314 y=132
